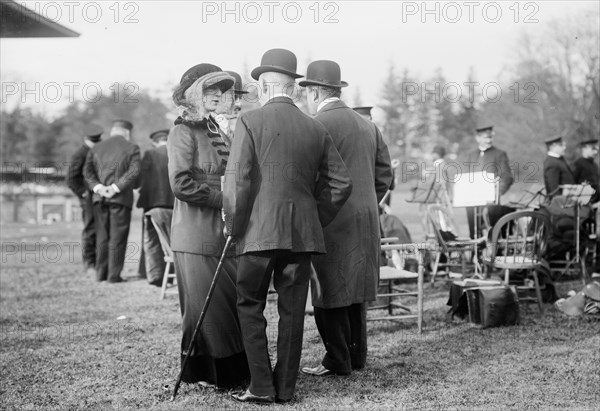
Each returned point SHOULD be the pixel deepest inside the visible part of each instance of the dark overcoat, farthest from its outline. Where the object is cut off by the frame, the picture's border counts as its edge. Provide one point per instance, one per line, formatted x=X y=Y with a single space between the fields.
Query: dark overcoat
x=113 y=161
x=285 y=180
x=155 y=190
x=494 y=161
x=75 y=176
x=556 y=173
x=348 y=273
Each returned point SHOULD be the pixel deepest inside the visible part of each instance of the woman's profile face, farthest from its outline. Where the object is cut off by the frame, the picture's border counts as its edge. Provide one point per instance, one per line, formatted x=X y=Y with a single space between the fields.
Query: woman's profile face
x=211 y=99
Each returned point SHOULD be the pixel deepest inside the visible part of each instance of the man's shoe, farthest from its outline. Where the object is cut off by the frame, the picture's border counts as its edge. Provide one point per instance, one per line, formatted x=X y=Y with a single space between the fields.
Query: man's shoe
x=247 y=396
x=117 y=280
x=318 y=371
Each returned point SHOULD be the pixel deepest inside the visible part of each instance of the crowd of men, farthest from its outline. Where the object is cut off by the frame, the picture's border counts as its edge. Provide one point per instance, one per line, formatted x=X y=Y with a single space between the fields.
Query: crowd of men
x=282 y=223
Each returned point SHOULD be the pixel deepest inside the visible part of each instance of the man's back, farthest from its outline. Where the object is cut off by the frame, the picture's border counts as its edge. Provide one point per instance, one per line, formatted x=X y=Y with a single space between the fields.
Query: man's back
x=114 y=161
x=278 y=153
x=155 y=190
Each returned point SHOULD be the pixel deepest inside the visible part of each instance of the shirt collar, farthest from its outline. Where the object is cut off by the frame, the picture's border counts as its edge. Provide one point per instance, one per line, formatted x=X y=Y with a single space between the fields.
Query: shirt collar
x=327 y=101
x=551 y=154
x=278 y=95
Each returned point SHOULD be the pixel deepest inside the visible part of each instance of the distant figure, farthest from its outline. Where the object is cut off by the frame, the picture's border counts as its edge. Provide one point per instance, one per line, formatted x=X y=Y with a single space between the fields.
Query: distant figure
x=348 y=275
x=155 y=193
x=77 y=184
x=487 y=158
x=556 y=170
x=112 y=168
x=586 y=170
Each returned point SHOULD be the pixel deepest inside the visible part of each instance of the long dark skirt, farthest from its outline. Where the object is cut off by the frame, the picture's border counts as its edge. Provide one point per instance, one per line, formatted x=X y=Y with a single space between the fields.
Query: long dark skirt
x=218 y=355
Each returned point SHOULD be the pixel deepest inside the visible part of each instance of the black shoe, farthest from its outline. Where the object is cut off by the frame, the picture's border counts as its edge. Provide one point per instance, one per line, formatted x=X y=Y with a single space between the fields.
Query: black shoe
x=247 y=396
x=117 y=280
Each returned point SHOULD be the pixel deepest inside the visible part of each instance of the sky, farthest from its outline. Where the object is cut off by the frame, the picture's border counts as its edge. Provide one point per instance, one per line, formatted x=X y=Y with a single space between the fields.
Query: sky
x=151 y=43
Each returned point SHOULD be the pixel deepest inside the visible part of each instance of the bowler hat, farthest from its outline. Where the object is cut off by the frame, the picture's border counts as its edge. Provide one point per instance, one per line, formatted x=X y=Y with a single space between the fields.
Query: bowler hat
x=93 y=131
x=591 y=142
x=158 y=134
x=123 y=123
x=279 y=61
x=237 y=86
x=323 y=73
x=553 y=139
x=193 y=74
x=364 y=110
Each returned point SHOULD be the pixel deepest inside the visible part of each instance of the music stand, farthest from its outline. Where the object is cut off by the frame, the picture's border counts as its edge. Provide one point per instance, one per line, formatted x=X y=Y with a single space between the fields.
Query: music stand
x=477 y=190
x=575 y=196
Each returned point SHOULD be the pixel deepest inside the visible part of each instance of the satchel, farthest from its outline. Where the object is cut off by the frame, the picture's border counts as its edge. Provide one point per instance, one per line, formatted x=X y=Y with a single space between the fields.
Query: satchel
x=493 y=306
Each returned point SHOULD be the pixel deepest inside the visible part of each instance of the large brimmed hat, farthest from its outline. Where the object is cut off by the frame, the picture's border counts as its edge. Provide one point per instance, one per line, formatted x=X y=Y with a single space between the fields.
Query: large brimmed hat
x=279 y=61
x=323 y=73
x=238 y=85
x=224 y=82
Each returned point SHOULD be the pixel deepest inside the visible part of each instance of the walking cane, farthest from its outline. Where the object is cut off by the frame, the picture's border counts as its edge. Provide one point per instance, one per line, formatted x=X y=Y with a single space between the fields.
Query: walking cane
x=202 y=315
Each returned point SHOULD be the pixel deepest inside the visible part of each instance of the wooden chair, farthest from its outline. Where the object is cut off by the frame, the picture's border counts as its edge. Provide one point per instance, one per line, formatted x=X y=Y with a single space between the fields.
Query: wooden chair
x=390 y=279
x=458 y=252
x=166 y=247
x=518 y=242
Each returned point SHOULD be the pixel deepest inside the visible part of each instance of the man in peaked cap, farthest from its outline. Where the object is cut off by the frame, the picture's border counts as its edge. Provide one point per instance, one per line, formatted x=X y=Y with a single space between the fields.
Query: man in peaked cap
x=228 y=121
x=488 y=158
x=112 y=168
x=348 y=275
x=364 y=111
x=156 y=199
x=284 y=181
x=77 y=184
x=556 y=170
x=585 y=169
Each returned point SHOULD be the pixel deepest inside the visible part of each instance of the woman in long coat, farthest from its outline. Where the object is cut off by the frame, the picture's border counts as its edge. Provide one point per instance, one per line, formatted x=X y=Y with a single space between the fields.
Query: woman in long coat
x=198 y=154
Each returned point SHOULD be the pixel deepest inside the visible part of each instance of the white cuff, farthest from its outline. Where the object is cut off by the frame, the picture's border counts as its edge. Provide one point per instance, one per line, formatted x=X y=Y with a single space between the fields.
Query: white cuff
x=97 y=187
x=114 y=186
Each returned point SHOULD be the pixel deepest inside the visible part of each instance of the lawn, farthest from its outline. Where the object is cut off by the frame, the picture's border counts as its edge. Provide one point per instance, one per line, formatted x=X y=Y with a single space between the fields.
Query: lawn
x=69 y=343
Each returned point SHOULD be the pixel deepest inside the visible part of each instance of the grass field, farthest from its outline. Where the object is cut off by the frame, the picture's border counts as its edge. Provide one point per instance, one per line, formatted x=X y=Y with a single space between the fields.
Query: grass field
x=69 y=343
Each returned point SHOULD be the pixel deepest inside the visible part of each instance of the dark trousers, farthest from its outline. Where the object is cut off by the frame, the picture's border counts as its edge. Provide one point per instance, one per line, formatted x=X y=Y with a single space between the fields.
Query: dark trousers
x=152 y=259
x=495 y=212
x=112 y=229
x=344 y=334
x=291 y=273
x=88 y=235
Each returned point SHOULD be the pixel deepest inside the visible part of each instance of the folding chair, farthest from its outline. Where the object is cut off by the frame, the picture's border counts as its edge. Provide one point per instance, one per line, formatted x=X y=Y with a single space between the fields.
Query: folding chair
x=166 y=247
x=518 y=242
x=390 y=279
x=457 y=251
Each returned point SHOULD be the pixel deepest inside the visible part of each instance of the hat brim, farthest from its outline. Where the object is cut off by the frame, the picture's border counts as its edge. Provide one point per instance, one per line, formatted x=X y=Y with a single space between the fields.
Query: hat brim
x=240 y=92
x=305 y=83
x=264 y=69
x=223 y=84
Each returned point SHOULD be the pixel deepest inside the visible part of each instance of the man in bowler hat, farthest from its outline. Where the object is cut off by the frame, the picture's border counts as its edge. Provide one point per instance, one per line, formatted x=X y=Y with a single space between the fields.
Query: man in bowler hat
x=77 y=184
x=285 y=180
x=556 y=170
x=348 y=274
x=112 y=168
x=488 y=158
x=156 y=199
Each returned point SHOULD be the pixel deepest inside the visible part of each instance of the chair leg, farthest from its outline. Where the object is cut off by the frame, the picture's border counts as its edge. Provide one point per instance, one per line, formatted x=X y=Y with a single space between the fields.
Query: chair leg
x=538 y=292
x=506 y=276
x=436 y=265
x=163 y=289
x=389 y=302
x=420 y=292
